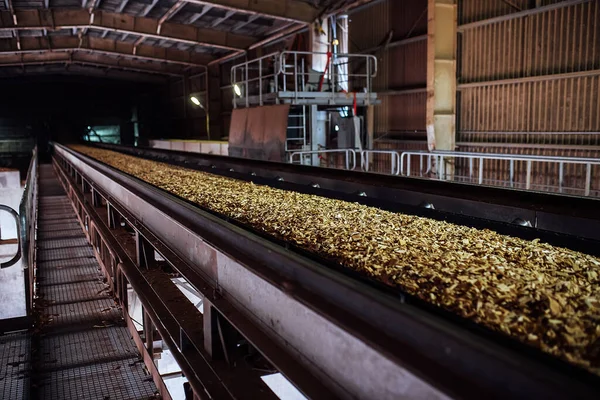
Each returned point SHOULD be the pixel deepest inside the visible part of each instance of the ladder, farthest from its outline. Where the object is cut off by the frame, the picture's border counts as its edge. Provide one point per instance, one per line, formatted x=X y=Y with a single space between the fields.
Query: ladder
x=296 y=138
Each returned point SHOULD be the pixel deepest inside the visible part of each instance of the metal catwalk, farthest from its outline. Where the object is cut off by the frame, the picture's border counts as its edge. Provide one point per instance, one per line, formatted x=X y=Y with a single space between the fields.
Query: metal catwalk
x=81 y=346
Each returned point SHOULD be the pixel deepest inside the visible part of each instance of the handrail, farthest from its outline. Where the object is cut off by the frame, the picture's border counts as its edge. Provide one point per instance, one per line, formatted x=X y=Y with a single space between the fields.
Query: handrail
x=17 y=256
x=278 y=75
x=246 y=80
x=346 y=55
x=441 y=156
x=347 y=152
x=28 y=218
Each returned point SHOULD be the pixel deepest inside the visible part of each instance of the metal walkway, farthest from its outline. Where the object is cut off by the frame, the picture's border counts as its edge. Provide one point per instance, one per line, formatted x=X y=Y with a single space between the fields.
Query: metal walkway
x=82 y=348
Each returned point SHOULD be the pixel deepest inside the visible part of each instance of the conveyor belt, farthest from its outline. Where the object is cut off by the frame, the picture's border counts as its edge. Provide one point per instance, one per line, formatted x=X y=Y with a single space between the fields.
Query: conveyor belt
x=460 y=362
x=507 y=284
x=82 y=347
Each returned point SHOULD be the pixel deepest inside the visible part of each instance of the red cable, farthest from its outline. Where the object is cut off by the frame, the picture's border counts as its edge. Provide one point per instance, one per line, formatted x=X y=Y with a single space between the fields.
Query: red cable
x=329 y=54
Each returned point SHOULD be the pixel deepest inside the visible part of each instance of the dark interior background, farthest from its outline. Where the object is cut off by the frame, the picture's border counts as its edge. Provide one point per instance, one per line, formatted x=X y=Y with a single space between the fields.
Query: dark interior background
x=38 y=109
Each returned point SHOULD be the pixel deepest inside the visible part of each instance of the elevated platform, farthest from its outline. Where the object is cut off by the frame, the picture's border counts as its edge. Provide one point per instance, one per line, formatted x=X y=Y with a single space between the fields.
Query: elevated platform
x=309 y=98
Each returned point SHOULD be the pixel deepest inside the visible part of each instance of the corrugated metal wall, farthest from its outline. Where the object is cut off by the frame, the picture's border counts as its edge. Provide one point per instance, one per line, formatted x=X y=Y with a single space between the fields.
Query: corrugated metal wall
x=530 y=83
x=402 y=64
x=402 y=76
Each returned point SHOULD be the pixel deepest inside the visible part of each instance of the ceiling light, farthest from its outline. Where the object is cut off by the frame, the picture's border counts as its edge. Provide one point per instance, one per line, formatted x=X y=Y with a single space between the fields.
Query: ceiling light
x=237 y=90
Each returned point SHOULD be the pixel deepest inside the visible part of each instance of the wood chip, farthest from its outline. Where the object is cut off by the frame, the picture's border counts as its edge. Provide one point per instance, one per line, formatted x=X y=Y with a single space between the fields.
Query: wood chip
x=514 y=286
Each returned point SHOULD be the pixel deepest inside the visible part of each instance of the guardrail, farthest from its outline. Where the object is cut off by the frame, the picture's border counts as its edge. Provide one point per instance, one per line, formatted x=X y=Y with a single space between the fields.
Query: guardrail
x=476 y=165
x=350 y=156
x=28 y=218
x=249 y=77
x=394 y=156
x=25 y=221
x=287 y=72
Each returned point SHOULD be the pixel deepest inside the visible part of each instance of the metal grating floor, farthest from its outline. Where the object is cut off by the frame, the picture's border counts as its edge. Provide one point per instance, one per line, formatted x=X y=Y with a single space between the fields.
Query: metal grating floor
x=83 y=349
x=15 y=366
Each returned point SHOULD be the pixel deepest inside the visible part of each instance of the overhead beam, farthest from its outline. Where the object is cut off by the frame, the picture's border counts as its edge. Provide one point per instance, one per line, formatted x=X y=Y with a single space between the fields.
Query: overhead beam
x=122 y=6
x=195 y=17
x=521 y=14
x=242 y=24
x=124 y=24
x=288 y=10
x=12 y=60
x=175 y=57
x=77 y=67
x=218 y=21
x=179 y=4
x=149 y=8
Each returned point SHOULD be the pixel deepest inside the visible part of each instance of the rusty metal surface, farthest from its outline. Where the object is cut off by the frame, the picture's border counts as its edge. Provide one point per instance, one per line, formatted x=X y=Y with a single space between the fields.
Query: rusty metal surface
x=259 y=133
x=83 y=348
x=15 y=365
x=275 y=122
x=237 y=132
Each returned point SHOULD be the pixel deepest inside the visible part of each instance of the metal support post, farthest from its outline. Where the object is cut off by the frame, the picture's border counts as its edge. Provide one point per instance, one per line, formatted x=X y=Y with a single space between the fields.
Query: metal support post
x=441 y=75
x=144 y=252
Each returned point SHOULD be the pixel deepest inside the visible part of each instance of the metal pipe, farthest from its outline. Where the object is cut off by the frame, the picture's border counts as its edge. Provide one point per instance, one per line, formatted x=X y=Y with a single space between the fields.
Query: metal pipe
x=560 y=177
x=528 y=184
x=480 y=171
x=588 y=178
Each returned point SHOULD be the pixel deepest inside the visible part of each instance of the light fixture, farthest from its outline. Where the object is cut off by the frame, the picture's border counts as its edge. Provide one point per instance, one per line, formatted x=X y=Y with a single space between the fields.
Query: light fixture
x=196 y=99
x=237 y=90
x=335 y=42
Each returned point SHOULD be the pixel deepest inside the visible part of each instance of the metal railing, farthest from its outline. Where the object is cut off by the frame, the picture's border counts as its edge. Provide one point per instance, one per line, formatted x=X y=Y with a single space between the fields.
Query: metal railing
x=250 y=77
x=28 y=218
x=287 y=72
x=436 y=163
x=350 y=156
x=365 y=160
x=26 y=221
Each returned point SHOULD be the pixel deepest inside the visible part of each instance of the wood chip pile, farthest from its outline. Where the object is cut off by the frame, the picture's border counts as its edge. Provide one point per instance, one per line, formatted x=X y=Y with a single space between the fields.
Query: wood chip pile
x=545 y=296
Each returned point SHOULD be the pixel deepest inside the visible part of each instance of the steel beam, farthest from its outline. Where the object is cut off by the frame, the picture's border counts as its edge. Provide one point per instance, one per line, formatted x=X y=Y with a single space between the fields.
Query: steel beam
x=149 y=8
x=402 y=92
x=170 y=13
x=195 y=17
x=288 y=10
x=528 y=79
x=225 y=17
x=122 y=6
x=397 y=43
x=103 y=46
x=521 y=14
x=124 y=24
x=242 y=24
x=441 y=75
x=84 y=58
x=82 y=68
